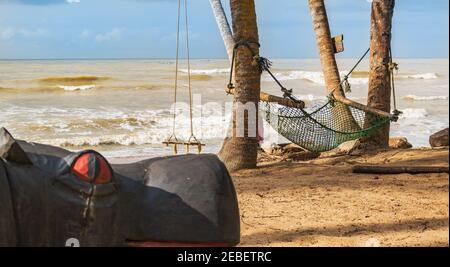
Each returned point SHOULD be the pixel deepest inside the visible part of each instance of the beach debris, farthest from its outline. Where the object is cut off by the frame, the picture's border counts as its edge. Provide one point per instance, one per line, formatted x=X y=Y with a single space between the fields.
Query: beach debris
x=290 y=151
x=439 y=139
x=301 y=156
x=399 y=143
x=292 y=148
x=263 y=157
x=346 y=148
x=273 y=150
x=377 y=169
x=282 y=149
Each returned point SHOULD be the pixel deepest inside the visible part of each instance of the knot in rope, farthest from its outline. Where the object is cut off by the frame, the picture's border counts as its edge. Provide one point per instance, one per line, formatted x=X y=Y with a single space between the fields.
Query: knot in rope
x=263 y=63
x=346 y=84
x=393 y=66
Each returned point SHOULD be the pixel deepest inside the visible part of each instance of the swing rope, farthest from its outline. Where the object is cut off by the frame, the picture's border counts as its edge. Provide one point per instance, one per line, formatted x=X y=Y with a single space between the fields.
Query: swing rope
x=173 y=137
x=188 y=68
x=192 y=140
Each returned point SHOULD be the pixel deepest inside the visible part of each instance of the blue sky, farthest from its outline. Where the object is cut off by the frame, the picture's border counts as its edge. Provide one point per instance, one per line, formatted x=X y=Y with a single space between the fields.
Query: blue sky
x=31 y=29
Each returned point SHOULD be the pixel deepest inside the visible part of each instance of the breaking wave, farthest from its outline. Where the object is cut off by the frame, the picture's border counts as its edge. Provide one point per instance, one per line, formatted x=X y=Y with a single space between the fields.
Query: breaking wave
x=141 y=138
x=424 y=98
x=84 y=87
x=413 y=113
x=76 y=88
x=81 y=127
x=54 y=83
x=312 y=76
x=201 y=77
x=75 y=80
x=207 y=71
x=421 y=76
x=357 y=77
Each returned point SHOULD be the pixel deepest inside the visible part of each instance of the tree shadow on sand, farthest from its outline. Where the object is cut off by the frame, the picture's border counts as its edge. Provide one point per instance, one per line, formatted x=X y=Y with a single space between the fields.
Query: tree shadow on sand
x=416 y=225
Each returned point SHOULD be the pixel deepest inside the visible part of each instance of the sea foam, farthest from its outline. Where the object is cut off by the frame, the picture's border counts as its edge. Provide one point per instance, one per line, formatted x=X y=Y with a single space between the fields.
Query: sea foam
x=207 y=71
x=424 y=98
x=360 y=77
x=421 y=76
x=76 y=87
x=413 y=113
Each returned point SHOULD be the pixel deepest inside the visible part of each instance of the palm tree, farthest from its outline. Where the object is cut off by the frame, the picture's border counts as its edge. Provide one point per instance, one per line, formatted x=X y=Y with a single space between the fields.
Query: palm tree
x=239 y=151
x=328 y=61
x=379 y=95
x=223 y=25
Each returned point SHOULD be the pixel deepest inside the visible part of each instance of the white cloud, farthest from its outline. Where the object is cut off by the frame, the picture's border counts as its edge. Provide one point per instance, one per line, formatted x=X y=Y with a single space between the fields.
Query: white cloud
x=86 y=34
x=9 y=33
x=32 y=33
x=73 y=1
x=113 y=35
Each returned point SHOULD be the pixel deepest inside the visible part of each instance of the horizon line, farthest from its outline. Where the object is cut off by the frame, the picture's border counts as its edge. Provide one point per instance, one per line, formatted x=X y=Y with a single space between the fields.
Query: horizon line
x=199 y=58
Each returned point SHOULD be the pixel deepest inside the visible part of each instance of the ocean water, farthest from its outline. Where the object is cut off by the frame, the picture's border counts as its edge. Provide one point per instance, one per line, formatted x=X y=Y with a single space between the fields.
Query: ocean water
x=124 y=107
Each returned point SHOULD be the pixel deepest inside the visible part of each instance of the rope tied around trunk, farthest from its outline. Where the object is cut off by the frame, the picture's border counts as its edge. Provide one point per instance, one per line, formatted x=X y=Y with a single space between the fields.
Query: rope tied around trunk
x=263 y=64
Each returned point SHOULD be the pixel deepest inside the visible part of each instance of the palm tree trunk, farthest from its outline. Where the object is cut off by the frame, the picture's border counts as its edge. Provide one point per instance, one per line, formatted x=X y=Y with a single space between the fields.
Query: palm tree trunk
x=329 y=65
x=379 y=95
x=224 y=26
x=240 y=150
x=325 y=44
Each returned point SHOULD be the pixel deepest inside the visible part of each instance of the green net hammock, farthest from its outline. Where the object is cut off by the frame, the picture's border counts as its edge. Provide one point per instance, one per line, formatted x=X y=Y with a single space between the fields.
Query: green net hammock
x=324 y=128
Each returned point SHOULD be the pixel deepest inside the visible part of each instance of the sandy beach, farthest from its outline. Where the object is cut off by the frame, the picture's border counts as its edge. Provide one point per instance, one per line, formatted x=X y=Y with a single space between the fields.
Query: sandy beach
x=322 y=203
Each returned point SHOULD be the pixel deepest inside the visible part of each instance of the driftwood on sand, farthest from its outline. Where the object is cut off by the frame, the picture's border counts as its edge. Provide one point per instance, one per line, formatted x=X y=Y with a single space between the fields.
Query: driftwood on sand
x=398 y=169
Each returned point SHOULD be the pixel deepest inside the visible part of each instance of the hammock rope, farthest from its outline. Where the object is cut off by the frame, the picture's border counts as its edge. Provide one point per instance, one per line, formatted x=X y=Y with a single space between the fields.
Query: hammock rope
x=322 y=127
